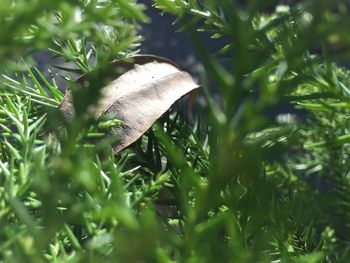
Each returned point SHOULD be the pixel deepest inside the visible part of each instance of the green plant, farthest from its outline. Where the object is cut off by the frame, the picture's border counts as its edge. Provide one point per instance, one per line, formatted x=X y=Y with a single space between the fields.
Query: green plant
x=261 y=177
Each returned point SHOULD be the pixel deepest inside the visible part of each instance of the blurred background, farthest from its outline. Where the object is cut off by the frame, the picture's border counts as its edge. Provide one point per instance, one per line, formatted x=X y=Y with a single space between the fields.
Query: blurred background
x=160 y=37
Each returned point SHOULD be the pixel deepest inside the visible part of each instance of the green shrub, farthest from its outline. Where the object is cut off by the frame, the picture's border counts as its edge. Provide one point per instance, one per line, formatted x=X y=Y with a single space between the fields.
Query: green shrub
x=260 y=176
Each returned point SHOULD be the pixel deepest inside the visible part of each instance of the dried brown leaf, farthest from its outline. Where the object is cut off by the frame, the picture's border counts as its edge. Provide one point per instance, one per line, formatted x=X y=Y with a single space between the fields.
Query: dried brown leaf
x=138 y=97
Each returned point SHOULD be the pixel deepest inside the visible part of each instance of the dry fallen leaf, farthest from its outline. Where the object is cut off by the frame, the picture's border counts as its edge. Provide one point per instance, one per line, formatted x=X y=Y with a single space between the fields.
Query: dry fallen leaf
x=138 y=97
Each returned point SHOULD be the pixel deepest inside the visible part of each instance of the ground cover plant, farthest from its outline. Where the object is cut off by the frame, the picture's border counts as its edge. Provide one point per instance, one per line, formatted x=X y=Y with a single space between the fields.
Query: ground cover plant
x=260 y=173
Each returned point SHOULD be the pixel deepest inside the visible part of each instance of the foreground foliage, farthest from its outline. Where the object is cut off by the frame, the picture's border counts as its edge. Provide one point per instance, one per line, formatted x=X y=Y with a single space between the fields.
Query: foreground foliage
x=261 y=177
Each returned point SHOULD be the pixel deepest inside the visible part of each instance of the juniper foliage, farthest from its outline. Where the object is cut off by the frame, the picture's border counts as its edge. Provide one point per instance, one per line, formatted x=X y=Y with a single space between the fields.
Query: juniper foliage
x=260 y=176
